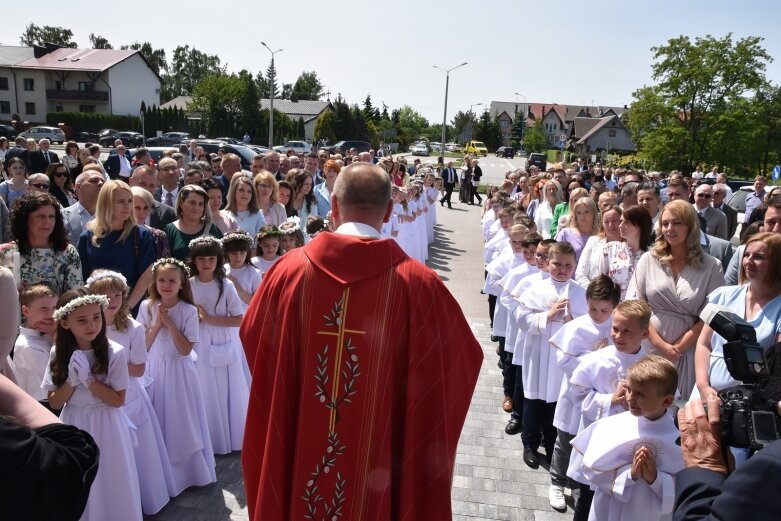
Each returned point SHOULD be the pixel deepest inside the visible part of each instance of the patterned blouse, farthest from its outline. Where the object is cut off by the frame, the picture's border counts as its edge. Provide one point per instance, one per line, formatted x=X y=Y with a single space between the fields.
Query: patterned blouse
x=62 y=269
x=619 y=264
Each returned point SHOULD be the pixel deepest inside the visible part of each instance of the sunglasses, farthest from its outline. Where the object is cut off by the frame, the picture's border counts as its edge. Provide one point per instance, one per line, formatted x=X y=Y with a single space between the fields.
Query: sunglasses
x=60 y=174
x=41 y=186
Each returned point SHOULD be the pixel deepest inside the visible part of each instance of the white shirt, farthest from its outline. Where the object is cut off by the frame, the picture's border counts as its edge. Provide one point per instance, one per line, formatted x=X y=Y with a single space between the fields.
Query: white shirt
x=164 y=192
x=124 y=166
x=359 y=230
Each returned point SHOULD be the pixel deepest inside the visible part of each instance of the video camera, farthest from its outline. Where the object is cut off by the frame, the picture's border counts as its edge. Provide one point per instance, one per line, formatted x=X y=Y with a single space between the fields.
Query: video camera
x=748 y=416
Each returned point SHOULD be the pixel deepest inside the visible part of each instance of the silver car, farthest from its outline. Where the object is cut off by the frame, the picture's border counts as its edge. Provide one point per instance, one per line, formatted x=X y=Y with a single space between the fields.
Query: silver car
x=53 y=134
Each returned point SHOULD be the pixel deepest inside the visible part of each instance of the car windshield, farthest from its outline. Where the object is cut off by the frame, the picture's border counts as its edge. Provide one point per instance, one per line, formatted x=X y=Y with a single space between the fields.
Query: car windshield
x=478 y=144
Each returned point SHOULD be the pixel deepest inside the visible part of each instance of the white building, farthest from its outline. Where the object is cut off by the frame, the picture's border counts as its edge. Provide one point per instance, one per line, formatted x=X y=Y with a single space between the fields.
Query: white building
x=37 y=80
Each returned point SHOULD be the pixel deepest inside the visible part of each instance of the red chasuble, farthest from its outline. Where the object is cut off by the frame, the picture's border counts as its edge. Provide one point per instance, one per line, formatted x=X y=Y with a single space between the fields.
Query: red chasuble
x=363 y=368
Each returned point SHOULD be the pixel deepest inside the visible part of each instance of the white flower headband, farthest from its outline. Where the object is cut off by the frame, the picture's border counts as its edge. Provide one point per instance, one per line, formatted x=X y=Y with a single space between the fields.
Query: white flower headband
x=67 y=309
x=204 y=239
x=105 y=274
x=296 y=221
x=238 y=235
x=170 y=260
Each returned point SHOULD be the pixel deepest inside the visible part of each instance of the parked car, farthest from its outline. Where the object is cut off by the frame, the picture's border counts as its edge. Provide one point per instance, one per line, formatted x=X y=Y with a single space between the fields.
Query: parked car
x=505 y=152
x=420 y=149
x=342 y=147
x=538 y=160
x=299 y=147
x=129 y=139
x=8 y=131
x=231 y=140
x=436 y=146
x=258 y=149
x=168 y=139
x=53 y=134
x=87 y=137
x=155 y=152
x=476 y=148
x=452 y=147
x=245 y=153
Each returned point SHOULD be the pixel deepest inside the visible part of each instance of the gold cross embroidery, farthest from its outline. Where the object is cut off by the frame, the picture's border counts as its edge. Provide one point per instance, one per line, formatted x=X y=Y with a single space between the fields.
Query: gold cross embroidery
x=341 y=323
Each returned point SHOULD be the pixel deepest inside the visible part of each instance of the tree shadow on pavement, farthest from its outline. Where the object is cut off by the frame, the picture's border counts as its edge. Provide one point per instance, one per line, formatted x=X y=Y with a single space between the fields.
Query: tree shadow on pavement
x=441 y=251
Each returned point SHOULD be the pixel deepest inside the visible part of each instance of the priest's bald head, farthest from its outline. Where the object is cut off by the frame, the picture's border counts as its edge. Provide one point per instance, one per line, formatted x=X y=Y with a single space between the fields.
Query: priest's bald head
x=362 y=193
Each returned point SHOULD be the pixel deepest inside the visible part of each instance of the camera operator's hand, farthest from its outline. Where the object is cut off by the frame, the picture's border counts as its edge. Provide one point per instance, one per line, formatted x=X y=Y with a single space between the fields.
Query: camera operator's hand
x=700 y=442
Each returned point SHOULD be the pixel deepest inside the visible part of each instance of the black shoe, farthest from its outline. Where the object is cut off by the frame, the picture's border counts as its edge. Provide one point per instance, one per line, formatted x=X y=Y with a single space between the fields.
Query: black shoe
x=530 y=458
x=441 y=202
x=513 y=427
x=549 y=454
x=494 y=339
x=500 y=364
x=450 y=207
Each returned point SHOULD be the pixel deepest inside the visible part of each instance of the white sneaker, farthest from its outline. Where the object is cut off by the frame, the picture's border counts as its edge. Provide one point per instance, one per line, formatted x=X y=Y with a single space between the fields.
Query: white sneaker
x=556 y=497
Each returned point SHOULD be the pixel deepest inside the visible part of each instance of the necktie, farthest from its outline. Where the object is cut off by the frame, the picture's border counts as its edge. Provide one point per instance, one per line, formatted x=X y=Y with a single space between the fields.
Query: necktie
x=48 y=159
x=169 y=199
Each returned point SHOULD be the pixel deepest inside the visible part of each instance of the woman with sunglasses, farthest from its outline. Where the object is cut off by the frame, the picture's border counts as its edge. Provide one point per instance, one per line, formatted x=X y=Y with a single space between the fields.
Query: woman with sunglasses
x=60 y=185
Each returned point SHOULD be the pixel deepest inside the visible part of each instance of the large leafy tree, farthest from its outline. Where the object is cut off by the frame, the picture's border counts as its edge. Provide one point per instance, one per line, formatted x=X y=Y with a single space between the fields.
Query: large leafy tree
x=460 y=123
x=37 y=35
x=324 y=127
x=307 y=87
x=534 y=139
x=488 y=130
x=220 y=99
x=99 y=42
x=676 y=122
x=188 y=67
x=156 y=57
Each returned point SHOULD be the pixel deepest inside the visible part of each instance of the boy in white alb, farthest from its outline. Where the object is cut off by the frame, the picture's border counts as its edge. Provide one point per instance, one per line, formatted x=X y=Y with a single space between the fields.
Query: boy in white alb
x=631 y=459
x=493 y=248
x=544 y=309
x=583 y=335
x=35 y=340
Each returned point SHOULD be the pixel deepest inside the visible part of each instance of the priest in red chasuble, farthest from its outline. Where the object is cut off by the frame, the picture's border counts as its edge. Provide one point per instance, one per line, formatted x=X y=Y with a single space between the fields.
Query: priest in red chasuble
x=363 y=368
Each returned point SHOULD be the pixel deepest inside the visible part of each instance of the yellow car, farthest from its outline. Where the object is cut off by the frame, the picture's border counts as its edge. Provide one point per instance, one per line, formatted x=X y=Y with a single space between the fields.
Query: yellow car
x=476 y=148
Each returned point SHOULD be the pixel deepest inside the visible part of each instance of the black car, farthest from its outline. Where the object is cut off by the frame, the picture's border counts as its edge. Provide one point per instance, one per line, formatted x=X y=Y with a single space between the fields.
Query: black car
x=505 y=152
x=155 y=152
x=538 y=160
x=8 y=131
x=211 y=146
x=231 y=140
x=129 y=139
x=87 y=137
x=343 y=147
x=168 y=139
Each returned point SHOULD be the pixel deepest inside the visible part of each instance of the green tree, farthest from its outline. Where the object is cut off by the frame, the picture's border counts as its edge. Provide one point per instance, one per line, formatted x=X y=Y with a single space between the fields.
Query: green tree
x=249 y=117
x=287 y=91
x=36 y=35
x=517 y=130
x=219 y=98
x=676 y=122
x=188 y=67
x=460 y=123
x=271 y=81
x=370 y=112
x=535 y=139
x=307 y=87
x=324 y=127
x=300 y=128
x=488 y=130
x=156 y=57
x=99 y=42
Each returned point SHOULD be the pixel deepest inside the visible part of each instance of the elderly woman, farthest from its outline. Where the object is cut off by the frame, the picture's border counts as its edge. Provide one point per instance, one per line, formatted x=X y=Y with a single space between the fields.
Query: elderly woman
x=243 y=205
x=195 y=220
x=38 y=184
x=42 y=242
x=60 y=185
x=675 y=279
x=583 y=223
x=267 y=190
x=143 y=202
x=543 y=216
x=593 y=251
x=112 y=241
x=620 y=258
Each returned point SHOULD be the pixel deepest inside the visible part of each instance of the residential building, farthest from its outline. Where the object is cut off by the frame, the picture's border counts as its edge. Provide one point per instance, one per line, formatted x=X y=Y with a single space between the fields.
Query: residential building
x=37 y=80
x=601 y=135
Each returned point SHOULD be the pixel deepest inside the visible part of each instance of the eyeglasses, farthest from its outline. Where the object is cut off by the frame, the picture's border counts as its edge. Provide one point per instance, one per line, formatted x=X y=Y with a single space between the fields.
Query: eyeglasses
x=705 y=196
x=60 y=174
x=41 y=186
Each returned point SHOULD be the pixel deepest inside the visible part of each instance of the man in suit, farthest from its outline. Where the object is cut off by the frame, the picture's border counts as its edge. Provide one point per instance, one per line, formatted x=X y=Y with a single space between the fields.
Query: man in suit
x=703 y=491
x=77 y=215
x=118 y=165
x=41 y=159
x=169 y=173
x=719 y=198
x=161 y=214
x=716 y=247
x=272 y=164
x=449 y=179
x=716 y=221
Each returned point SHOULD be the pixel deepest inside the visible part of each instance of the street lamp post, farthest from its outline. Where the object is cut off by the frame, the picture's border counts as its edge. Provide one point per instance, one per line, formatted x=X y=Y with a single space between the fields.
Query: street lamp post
x=444 y=116
x=271 y=97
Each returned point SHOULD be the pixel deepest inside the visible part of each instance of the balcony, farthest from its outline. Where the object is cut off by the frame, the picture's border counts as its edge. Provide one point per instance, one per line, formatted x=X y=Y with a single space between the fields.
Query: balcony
x=76 y=95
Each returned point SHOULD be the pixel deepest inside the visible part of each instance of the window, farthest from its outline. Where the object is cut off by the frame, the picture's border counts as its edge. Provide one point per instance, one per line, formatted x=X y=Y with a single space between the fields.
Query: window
x=503 y=123
x=59 y=108
x=58 y=85
x=5 y=107
x=86 y=108
x=86 y=86
x=3 y=83
x=29 y=108
x=612 y=132
x=29 y=84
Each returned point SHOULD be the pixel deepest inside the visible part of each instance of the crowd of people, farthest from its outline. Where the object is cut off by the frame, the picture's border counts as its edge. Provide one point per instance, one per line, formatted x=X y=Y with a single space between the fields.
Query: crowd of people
x=595 y=282
x=131 y=279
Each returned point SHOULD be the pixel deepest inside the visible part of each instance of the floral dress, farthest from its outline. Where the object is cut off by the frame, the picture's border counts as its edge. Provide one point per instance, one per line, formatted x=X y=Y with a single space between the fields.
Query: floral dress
x=61 y=269
x=619 y=264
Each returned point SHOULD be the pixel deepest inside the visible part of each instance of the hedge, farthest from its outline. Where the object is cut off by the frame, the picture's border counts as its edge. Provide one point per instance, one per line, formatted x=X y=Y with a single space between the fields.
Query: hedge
x=92 y=122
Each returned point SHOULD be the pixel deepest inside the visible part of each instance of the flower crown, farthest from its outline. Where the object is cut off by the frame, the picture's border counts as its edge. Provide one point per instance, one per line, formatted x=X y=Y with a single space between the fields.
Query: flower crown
x=238 y=235
x=296 y=221
x=170 y=260
x=204 y=239
x=105 y=274
x=67 y=309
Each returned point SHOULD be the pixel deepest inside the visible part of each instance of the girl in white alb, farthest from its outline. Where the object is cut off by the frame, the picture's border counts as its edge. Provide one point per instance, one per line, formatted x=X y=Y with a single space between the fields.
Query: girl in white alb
x=269 y=249
x=155 y=477
x=221 y=362
x=401 y=211
x=171 y=321
x=239 y=268
x=87 y=377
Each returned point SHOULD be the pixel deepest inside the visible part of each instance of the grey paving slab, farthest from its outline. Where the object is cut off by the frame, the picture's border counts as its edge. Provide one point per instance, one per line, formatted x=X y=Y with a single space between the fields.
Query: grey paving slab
x=490 y=480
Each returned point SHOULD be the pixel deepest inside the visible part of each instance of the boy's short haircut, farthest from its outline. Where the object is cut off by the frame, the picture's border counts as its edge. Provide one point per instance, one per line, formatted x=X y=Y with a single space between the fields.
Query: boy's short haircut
x=498 y=199
x=658 y=371
x=532 y=239
x=520 y=217
x=561 y=248
x=637 y=310
x=547 y=242
x=518 y=228
x=604 y=288
x=36 y=291
x=505 y=212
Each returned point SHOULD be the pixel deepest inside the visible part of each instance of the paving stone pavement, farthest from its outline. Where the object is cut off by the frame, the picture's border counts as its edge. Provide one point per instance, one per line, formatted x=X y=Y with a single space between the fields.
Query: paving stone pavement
x=490 y=481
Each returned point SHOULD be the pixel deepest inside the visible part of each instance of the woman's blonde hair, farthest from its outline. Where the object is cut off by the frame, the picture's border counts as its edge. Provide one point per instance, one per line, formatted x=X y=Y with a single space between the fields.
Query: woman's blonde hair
x=596 y=222
x=266 y=177
x=105 y=284
x=559 y=191
x=100 y=226
x=234 y=185
x=144 y=195
x=684 y=211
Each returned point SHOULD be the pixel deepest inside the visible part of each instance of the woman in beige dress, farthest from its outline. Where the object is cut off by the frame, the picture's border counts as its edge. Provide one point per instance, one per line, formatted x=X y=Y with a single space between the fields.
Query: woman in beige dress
x=676 y=279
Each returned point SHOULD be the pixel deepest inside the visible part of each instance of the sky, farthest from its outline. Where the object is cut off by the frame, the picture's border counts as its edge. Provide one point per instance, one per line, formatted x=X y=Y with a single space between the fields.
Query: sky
x=569 y=52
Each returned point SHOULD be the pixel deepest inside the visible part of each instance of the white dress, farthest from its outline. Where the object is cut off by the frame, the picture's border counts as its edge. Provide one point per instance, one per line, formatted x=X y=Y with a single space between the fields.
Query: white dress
x=115 y=493
x=420 y=232
x=177 y=399
x=404 y=238
x=221 y=366
x=248 y=278
x=31 y=356
x=264 y=265
x=431 y=216
x=155 y=476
